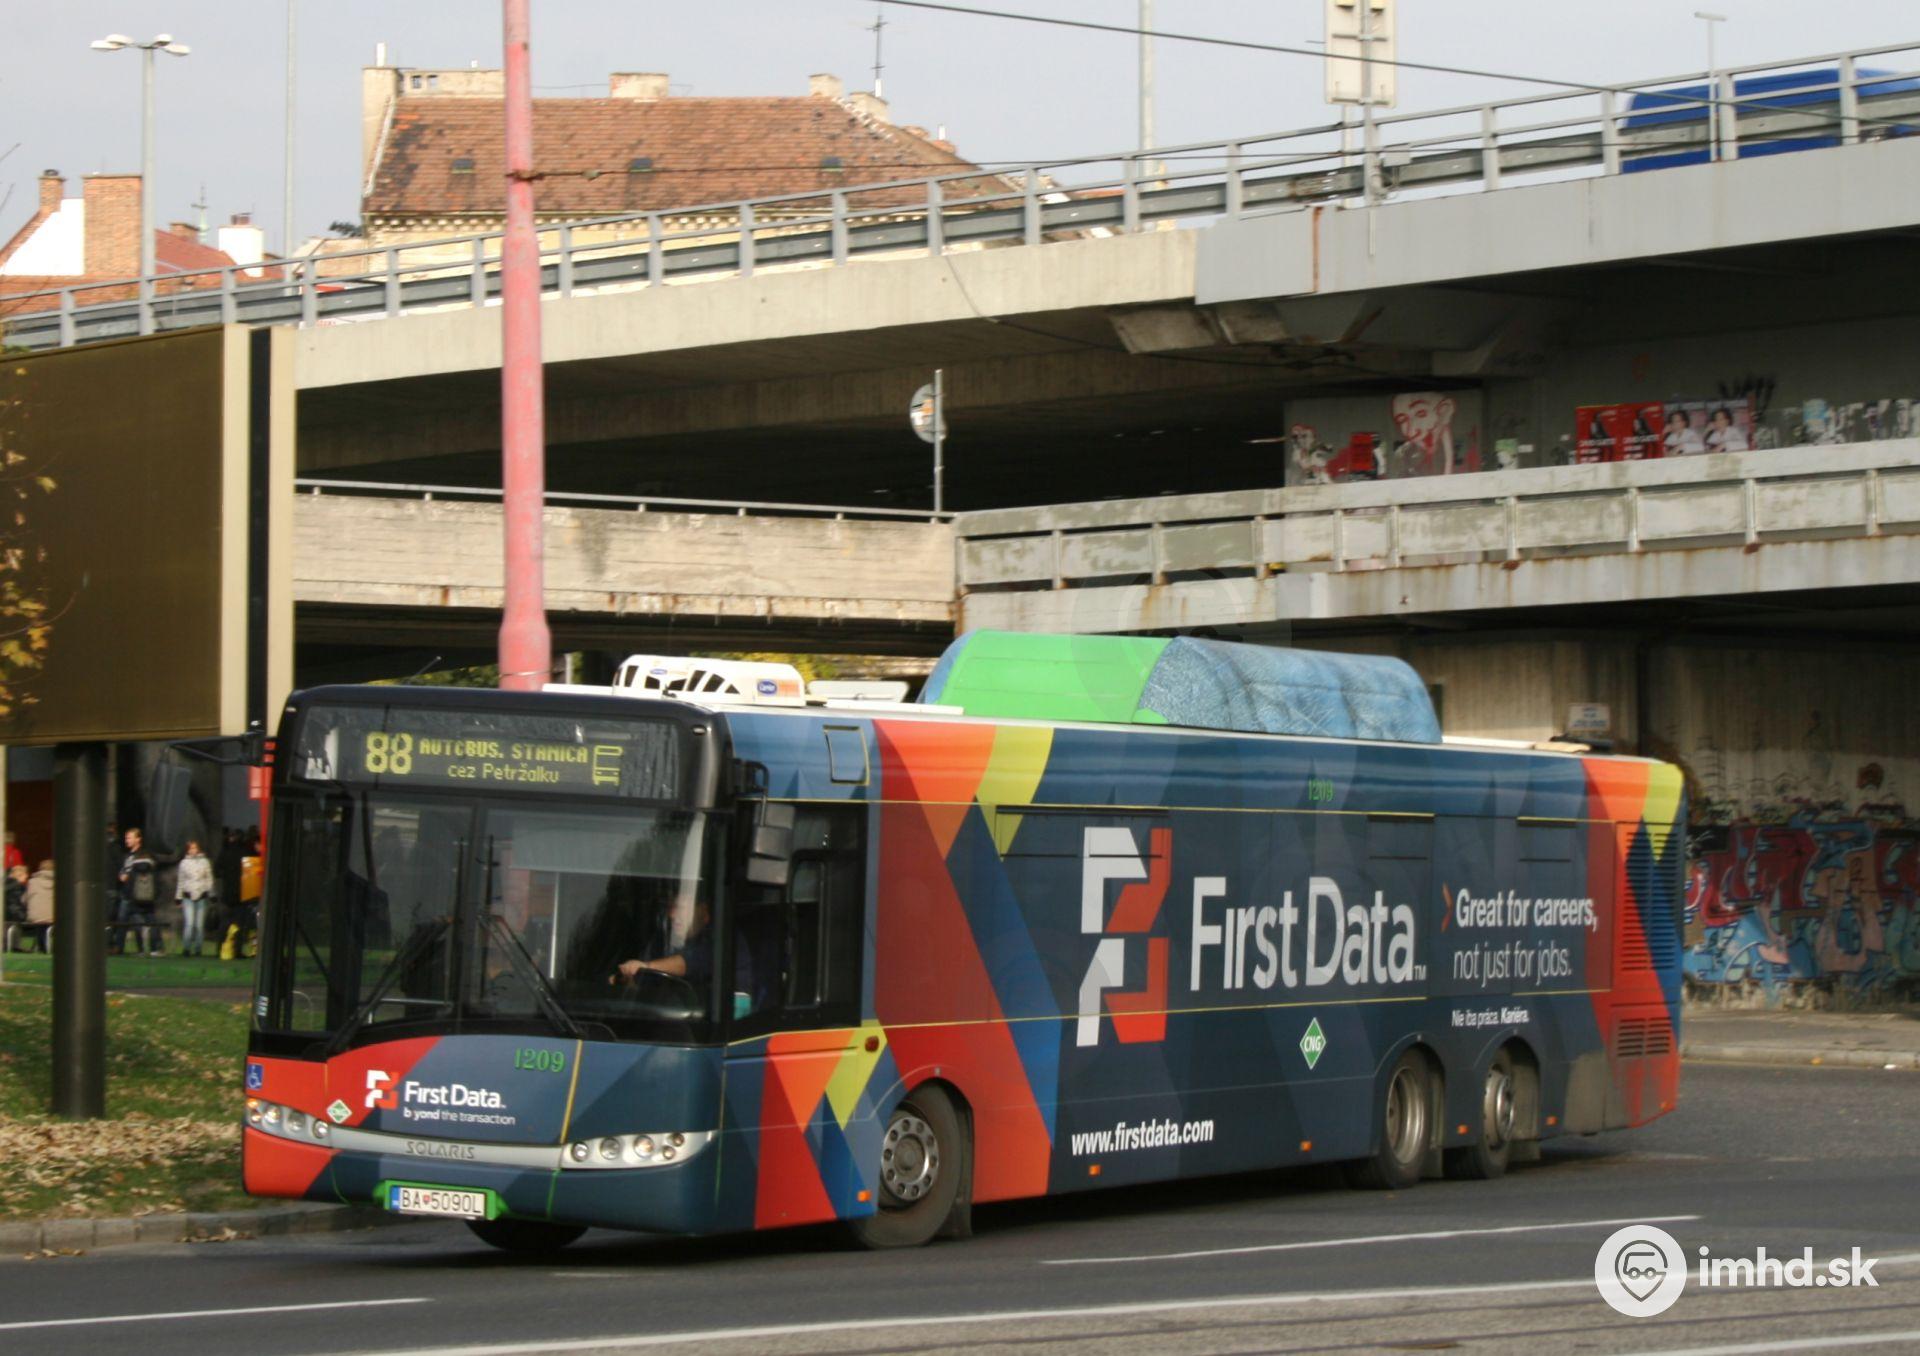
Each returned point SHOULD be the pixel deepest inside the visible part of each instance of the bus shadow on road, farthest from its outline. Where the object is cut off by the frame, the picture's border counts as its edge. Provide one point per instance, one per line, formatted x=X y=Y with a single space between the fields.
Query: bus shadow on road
x=1312 y=1186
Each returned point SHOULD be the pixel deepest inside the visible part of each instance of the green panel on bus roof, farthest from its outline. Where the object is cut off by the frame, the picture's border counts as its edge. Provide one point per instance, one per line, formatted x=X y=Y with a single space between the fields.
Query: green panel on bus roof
x=1011 y=675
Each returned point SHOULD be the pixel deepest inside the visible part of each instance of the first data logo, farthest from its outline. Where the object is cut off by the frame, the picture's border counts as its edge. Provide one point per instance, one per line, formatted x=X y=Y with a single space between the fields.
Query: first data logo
x=1640 y=1270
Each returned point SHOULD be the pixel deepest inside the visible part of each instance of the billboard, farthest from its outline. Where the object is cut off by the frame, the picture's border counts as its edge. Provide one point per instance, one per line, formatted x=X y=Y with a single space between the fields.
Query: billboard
x=145 y=484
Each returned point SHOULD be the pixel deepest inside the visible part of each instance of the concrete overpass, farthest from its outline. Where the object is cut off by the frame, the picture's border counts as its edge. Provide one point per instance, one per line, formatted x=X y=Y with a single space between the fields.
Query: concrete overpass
x=379 y=578
x=1823 y=540
x=1135 y=334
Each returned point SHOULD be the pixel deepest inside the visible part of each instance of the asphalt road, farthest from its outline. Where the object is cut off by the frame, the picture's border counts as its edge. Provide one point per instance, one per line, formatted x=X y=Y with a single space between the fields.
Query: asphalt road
x=1787 y=1158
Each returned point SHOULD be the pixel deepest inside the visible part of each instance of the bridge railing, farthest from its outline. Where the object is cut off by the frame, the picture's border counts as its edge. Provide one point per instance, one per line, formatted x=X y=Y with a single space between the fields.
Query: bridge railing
x=639 y=503
x=1506 y=517
x=1832 y=99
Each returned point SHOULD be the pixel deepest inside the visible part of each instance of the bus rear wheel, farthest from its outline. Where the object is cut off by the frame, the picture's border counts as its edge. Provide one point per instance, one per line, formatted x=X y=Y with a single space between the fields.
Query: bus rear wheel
x=1498 y=1096
x=922 y=1162
x=529 y=1237
x=1405 y=1110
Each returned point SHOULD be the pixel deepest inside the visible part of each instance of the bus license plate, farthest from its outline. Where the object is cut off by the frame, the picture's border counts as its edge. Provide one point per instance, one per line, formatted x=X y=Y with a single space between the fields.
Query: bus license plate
x=416 y=1200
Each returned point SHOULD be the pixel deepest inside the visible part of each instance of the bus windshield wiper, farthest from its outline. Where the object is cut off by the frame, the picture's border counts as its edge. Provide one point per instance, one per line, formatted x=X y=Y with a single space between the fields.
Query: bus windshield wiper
x=423 y=937
x=523 y=966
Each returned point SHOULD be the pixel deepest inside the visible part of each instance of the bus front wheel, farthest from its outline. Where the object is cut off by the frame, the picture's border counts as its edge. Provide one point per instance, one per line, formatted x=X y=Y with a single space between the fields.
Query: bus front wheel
x=526 y=1236
x=923 y=1160
x=1404 y=1130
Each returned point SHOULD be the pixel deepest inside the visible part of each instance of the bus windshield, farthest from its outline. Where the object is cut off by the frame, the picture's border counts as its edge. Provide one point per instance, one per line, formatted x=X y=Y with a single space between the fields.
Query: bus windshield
x=440 y=913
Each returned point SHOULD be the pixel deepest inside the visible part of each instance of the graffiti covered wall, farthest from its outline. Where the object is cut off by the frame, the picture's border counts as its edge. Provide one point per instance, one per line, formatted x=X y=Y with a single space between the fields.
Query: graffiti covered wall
x=1821 y=895
x=1804 y=859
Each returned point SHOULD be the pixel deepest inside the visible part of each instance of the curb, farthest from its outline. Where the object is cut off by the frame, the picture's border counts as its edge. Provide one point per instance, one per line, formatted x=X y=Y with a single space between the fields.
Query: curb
x=32 y=1237
x=1800 y=1055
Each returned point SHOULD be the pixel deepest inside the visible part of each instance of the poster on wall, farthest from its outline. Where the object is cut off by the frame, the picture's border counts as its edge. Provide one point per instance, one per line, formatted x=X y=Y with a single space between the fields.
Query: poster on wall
x=1694 y=426
x=1629 y=432
x=1335 y=439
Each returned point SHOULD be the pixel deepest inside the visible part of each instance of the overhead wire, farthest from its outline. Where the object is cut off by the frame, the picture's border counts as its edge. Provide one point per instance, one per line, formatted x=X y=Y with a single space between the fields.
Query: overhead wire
x=1439 y=68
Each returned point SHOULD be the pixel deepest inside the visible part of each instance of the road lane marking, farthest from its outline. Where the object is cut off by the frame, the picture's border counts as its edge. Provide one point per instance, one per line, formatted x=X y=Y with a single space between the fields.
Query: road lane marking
x=1852 y=1339
x=1427 y=1236
x=697 y=1336
x=208 y=1313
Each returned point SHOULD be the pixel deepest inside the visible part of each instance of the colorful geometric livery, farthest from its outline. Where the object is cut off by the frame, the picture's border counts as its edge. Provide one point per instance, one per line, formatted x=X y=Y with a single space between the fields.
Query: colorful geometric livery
x=1129 y=953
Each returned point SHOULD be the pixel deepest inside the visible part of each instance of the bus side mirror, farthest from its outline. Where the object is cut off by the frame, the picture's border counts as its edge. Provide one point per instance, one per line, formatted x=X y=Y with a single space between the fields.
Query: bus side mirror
x=169 y=797
x=770 y=844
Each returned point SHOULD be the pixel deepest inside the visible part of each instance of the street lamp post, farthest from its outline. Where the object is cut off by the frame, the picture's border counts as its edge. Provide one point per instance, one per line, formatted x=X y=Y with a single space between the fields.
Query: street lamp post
x=163 y=42
x=286 y=206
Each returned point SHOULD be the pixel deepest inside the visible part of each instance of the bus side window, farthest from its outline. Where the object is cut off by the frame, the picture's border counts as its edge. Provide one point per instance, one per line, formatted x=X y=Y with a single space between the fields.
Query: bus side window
x=815 y=934
x=804 y=901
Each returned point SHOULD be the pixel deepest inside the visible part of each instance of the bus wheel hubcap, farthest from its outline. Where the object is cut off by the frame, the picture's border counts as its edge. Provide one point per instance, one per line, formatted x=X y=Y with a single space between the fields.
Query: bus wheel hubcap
x=1499 y=1108
x=1406 y=1117
x=909 y=1158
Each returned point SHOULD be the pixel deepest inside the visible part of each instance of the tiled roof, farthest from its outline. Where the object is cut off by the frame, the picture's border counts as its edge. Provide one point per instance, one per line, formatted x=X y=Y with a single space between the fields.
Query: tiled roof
x=178 y=253
x=443 y=156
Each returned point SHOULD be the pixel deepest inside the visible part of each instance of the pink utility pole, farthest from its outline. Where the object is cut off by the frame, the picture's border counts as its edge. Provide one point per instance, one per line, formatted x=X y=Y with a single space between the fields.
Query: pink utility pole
x=526 y=646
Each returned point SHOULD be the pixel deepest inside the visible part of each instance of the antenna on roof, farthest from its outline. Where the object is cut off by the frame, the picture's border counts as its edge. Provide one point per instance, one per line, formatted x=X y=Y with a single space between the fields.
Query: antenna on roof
x=200 y=225
x=878 y=29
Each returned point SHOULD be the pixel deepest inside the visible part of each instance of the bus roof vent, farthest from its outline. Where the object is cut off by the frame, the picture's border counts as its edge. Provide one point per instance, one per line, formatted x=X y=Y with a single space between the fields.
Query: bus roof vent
x=890 y=690
x=711 y=681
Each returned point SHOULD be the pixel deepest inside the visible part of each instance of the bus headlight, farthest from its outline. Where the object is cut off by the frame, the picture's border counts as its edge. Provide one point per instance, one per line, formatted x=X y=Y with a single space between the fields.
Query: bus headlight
x=654 y=1150
x=285 y=1122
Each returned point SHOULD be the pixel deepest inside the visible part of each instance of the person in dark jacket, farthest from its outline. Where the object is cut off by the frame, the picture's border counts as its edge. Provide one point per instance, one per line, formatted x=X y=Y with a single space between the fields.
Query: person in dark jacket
x=140 y=892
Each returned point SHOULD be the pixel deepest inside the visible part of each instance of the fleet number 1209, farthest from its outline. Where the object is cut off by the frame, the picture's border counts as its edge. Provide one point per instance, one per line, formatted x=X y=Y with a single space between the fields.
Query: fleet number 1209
x=546 y=1061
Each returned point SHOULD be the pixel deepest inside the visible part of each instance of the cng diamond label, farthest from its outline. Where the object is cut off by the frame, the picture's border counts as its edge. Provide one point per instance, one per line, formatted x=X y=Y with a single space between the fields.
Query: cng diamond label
x=339 y=1111
x=1313 y=1043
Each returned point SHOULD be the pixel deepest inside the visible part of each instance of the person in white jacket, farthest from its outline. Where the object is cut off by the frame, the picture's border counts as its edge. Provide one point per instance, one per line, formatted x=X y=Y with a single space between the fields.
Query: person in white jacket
x=193 y=885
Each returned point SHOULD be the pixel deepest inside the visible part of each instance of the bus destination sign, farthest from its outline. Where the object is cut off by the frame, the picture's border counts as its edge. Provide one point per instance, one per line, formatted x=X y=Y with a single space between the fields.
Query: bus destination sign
x=403 y=755
x=489 y=751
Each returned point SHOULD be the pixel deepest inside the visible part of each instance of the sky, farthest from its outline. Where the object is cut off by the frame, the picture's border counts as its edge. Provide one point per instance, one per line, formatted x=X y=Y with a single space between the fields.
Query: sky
x=1004 y=91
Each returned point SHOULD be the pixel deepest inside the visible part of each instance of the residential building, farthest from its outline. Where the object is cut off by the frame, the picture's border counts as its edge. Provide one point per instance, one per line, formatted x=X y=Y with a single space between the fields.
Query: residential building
x=92 y=243
x=433 y=160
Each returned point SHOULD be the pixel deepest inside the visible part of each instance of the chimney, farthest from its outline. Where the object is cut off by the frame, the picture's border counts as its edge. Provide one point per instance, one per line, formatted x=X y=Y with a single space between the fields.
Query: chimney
x=186 y=230
x=643 y=85
x=242 y=241
x=825 y=86
x=52 y=189
x=112 y=225
x=868 y=106
x=379 y=87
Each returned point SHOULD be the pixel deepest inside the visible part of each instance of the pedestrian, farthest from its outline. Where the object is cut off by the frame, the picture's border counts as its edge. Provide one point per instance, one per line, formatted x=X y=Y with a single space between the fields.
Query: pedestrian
x=252 y=877
x=139 y=892
x=40 y=907
x=116 y=893
x=226 y=872
x=192 y=886
x=13 y=856
x=13 y=915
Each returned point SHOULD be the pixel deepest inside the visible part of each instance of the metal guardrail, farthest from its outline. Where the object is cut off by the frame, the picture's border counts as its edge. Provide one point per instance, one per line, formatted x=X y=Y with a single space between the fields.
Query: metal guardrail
x=638 y=503
x=1471 y=147
x=1862 y=489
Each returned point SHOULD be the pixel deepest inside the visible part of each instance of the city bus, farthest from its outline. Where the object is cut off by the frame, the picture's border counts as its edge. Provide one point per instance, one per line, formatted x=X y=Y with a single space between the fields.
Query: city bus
x=699 y=952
